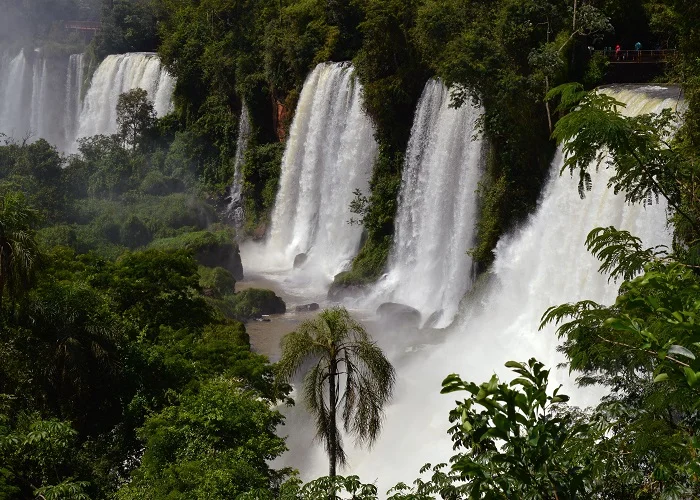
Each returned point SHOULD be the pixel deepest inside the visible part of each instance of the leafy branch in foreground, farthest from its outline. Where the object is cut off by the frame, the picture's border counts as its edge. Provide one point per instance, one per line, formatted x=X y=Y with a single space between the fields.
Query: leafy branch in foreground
x=646 y=162
x=621 y=254
x=515 y=441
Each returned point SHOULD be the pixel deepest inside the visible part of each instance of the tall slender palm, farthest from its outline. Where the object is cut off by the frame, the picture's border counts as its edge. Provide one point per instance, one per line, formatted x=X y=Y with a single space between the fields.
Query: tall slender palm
x=349 y=372
x=18 y=248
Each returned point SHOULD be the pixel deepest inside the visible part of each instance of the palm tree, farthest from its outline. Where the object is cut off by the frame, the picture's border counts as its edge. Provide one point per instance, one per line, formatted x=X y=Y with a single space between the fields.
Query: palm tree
x=349 y=372
x=18 y=248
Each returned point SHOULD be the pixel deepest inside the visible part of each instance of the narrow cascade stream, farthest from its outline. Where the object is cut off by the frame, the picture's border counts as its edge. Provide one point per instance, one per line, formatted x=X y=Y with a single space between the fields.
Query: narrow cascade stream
x=429 y=268
x=541 y=264
x=235 y=197
x=73 y=101
x=329 y=154
x=118 y=74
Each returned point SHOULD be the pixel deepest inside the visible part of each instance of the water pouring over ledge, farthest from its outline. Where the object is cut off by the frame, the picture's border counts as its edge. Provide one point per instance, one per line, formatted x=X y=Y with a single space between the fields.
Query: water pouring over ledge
x=543 y=263
x=118 y=74
x=329 y=154
x=429 y=268
x=42 y=96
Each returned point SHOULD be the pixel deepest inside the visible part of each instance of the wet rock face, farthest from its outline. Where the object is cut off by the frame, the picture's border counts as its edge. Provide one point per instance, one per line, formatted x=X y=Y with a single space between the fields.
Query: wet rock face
x=399 y=313
x=226 y=256
x=340 y=291
x=299 y=260
x=308 y=307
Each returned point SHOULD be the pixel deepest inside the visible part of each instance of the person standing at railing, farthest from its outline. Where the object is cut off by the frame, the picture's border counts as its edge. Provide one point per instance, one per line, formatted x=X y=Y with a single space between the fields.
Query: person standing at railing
x=617 y=52
x=638 y=48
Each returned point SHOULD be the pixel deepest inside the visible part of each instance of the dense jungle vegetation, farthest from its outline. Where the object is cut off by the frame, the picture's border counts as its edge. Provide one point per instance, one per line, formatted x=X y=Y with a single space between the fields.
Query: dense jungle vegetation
x=125 y=369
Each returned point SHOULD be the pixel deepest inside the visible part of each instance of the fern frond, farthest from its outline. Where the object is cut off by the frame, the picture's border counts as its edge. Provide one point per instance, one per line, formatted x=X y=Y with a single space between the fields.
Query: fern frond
x=621 y=253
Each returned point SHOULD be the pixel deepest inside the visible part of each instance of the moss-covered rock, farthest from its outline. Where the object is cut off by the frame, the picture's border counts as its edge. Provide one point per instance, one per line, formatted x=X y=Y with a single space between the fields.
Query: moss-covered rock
x=216 y=282
x=211 y=248
x=250 y=304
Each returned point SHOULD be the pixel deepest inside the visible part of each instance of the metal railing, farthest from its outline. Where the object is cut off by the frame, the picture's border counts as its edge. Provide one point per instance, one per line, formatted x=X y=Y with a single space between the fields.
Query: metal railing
x=93 y=26
x=637 y=56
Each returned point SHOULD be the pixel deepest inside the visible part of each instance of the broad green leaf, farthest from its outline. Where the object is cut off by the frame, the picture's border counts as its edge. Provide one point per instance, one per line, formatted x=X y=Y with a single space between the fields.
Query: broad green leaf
x=681 y=351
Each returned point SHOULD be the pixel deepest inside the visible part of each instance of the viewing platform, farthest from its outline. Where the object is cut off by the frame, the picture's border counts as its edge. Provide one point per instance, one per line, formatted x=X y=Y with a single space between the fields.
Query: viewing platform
x=635 y=66
x=637 y=56
x=87 y=27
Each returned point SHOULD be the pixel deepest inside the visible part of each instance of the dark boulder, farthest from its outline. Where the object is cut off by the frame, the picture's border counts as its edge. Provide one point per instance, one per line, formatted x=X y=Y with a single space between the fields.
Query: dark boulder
x=224 y=255
x=299 y=260
x=307 y=307
x=255 y=303
x=344 y=286
x=399 y=313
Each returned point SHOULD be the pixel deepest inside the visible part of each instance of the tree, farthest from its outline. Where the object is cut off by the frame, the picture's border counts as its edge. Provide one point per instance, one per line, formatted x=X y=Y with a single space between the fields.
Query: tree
x=18 y=248
x=349 y=369
x=37 y=457
x=215 y=443
x=135 y=116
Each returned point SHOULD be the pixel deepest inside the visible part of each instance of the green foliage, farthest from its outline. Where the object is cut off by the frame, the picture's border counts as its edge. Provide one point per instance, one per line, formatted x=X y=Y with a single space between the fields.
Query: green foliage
x=18 y=249
x=127 y=26
x=338 y=347
x=135 y=117
x=261 y=171
x=644 y=346
x=197 y=240
x=157 y=287
x=390 y=68
x=327 y=487
x=36 y=455
x=492 y=193
x=367 y=266
x=250 y=303
x=517 y=442
x=216 y=281
x=215 y=443
x=295 y=41
x=36 y=170
x=105 y=167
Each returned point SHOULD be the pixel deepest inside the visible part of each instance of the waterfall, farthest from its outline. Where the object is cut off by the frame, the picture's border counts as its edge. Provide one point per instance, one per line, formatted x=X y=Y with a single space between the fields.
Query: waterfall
x=118 y=74
x=41 y=96
x=32 y=86
x=329 y=154
x=543 y=263
x=429 y=268
x=235 y=205
x=14 y=88
x=73 y=101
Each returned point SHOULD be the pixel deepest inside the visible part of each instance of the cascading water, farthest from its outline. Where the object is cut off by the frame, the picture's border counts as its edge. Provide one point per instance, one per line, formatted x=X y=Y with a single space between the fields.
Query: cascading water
x=235 y=204
x=544 y=263
x=118 y=74
x=14 y=89
x=329 y=155
x=42 y=95
x=429 y=268
x=36 y=91
x=73 y=101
